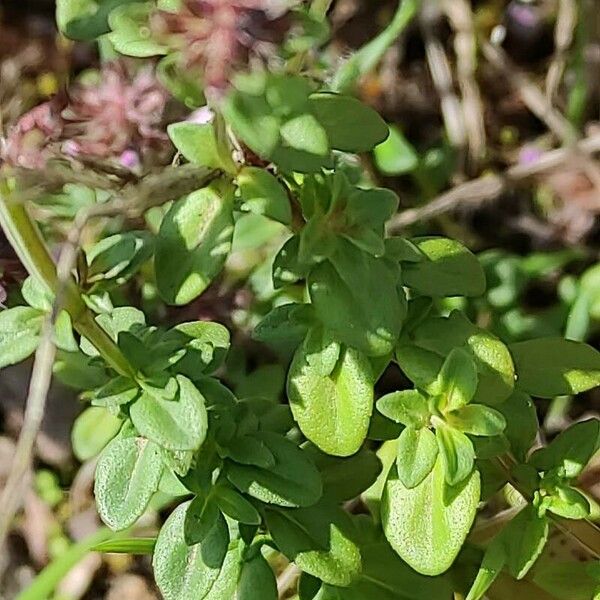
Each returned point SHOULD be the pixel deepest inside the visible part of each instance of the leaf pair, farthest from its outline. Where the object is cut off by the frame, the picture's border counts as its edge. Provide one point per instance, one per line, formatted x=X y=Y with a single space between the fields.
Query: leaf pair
x=447 y=409
x=279 y=118
x=421 y=355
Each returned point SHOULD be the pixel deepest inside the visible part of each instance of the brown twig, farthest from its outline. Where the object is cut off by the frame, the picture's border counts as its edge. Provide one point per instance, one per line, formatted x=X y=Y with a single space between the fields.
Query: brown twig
x=460 y=15
x=566 y=22
x=490 y=186
x=441 y=75
x=286 y=580
x=534 y=98
x=36 y=403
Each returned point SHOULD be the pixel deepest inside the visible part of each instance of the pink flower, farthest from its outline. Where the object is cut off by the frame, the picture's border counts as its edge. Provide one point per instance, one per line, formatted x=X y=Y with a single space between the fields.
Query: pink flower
x=219 y=36
x=28 y=142
x=102 y=120
x=117 y=114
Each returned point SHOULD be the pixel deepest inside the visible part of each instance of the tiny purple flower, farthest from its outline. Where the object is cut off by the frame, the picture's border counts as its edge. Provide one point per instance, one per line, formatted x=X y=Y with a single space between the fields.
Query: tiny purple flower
x=529 y=155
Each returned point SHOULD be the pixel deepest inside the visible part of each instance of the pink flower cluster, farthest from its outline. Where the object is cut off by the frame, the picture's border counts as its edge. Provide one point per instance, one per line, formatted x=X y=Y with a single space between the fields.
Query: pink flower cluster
x=218 y=36
x=119 y=117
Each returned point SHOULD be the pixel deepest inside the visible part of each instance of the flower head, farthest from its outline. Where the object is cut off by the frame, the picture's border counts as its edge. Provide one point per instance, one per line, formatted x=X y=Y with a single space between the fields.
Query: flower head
x=113 y=118
x=219 y=36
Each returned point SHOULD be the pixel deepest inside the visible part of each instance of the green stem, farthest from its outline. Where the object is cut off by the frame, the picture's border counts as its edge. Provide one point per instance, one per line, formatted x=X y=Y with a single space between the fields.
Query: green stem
x=26 y=240
x=366 y=59
x=45 y=583
x=319 y=9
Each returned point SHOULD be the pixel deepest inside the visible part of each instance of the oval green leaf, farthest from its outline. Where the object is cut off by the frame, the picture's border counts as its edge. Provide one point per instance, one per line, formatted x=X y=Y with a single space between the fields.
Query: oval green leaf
x=127 y=475
x=333 y=411
x=179 y=424
x=193 y=243
x=424 y=527
x=205 y=571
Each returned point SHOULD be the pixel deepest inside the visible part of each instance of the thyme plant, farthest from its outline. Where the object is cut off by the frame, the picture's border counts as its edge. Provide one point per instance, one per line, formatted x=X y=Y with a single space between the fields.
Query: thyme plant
x=371 y=497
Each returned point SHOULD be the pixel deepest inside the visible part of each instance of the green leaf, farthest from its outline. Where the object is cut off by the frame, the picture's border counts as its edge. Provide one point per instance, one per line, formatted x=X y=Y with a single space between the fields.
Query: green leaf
x=252 y=118
x=92 y=430
x=351 y=126
x=521 y=423
x=341 y=292
x=118 y=257
x=206 y=345
x=408 y=407
x=346 y=478
x=424 y=528
x=417 y=453
x=69 y=10
x=567 y=580
x=234 y=505
x=78 y=371
x=115 y=393
x=525 y=537
x=127 y=476
x=448 y=269
x=396 y=156
x=292 y=481
x=318 y=539
x=257 y=580
x=306 y=134
x=120 y=319
x=19 y=333
x=63 y=333
x=37 y=294
x=387 y=454
x=570 y=450
x=308 y=587
x=85 y=20
x=201 y=518
x=477 y=419
x=569 y=503
x=384 y=576
x=493 y=562
x=193 y=243
x=550 y=367
x=456 y=382
x=206 y=571
x=456 y=451
x=248 y=450
x=421 y=355
x=262 y=194
x=182 y=83
x=332 y=410
x=288 y=268
x=286 y=325
x=198 y=144
x=131 y=33
x=179 y=424
x=134 y=545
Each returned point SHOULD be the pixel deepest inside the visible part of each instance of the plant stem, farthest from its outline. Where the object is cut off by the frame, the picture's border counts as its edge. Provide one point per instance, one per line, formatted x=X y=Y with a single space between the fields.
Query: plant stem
x=370 y=54
x=319 y=8
x=26 y=239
